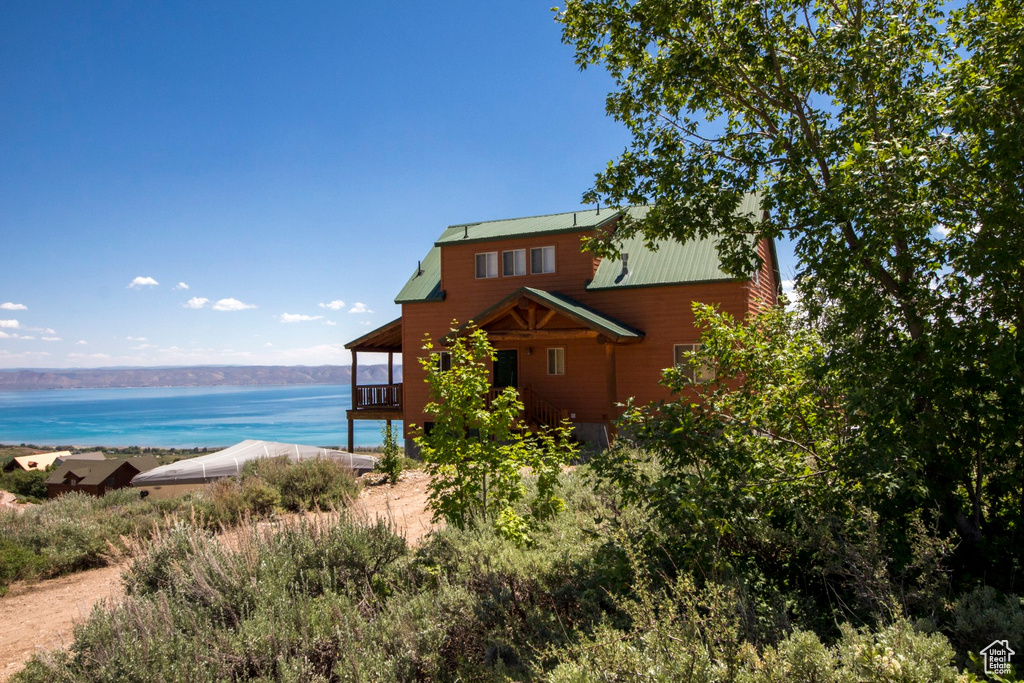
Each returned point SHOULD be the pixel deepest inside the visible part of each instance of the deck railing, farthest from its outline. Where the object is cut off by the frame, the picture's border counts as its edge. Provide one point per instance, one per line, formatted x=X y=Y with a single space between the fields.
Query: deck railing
x=377 y=396
x=537 y=410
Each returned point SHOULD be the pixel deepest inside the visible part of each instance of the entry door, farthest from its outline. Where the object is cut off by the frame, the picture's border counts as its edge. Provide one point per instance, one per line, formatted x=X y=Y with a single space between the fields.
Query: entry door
x=506 y=369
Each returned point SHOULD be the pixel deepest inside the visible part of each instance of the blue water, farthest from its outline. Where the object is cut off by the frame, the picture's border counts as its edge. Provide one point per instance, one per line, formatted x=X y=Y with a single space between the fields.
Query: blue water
x=183 y=417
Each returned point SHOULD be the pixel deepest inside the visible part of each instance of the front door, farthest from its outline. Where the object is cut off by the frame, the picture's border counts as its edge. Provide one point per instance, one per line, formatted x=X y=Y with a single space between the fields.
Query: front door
x=506 y=369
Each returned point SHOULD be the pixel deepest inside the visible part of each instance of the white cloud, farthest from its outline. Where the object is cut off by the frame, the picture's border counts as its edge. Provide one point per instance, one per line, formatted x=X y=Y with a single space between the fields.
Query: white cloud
x=27 y=337
x=136 y=338
x=298 y=318
x=51 y=338
x=335 y=305
x=942 y=230
x=181 y=285
x=81 y=342
x=10 y=325
x=8 y=306
x=365 y=322
x=331 y=323
x=4 y=335
x=89 y=356
x=142 y=347
x=231 y=305
x=196 y=302
x=359 y=307
x=140 y=282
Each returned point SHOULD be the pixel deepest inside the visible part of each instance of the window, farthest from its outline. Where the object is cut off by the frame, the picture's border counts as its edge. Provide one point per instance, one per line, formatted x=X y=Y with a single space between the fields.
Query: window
x=556 y=361
x=542 y=260
x=698 y=374
x=487 y=264
x=513 y=262
x=444 y=361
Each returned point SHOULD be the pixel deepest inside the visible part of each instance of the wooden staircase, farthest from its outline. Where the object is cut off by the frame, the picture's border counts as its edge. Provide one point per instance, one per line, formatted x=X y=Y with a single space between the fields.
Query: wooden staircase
x=537 y=410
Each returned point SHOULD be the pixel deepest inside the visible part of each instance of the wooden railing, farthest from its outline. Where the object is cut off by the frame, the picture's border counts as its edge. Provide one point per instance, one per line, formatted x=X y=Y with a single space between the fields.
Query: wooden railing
x=536 y=409
x=540 y=411
x=377 y=396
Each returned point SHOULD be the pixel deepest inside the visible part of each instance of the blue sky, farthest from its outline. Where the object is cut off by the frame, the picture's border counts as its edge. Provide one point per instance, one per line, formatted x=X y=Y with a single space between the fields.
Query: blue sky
x=204 y=183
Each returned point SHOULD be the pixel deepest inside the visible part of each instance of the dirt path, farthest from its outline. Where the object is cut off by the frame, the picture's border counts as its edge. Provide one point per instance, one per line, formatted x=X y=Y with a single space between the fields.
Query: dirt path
x=40 y=616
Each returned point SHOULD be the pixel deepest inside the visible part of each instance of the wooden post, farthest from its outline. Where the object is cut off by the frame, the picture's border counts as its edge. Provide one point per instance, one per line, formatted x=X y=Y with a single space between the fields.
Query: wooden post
x=351 y=426
x=391 y=377
x=610 y=381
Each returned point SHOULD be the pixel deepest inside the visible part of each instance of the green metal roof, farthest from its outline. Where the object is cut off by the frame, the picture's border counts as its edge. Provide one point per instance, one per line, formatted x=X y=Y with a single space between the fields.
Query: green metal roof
x=671 y=262
x=425 y=284
x=571 y=221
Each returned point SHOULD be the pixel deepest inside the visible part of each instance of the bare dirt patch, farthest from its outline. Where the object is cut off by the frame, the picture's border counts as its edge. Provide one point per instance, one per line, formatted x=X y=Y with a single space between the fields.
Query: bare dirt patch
x=40 y=616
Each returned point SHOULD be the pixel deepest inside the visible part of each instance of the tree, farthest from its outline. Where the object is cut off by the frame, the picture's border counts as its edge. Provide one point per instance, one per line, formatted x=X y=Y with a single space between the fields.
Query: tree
x=473 y=449
x=888 y=146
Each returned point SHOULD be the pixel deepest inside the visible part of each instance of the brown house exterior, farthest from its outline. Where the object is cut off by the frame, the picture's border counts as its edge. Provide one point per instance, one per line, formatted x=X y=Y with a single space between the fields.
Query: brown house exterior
x=574 y=333
x=96 y=477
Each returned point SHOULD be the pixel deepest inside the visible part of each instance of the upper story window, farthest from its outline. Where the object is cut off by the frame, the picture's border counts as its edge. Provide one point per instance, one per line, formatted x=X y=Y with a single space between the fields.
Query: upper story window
x=698 y=373
x=542 y=260
x=513 y=262
x=487 y=264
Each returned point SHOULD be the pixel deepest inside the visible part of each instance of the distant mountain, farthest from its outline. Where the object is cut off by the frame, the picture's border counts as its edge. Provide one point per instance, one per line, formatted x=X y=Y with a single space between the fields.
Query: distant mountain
x=202 y=376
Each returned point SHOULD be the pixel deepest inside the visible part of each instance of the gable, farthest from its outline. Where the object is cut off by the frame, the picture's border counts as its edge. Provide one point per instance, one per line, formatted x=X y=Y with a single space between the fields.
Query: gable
x=530 y=313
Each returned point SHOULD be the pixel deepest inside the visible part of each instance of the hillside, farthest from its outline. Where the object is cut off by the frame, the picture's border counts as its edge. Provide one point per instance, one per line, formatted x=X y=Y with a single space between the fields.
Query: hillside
x=203 y=376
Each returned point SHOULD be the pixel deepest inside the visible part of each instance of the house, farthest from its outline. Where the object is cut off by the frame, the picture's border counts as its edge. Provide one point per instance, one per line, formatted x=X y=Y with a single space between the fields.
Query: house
x=36 y=462
x=575 y=334
x=96 y=477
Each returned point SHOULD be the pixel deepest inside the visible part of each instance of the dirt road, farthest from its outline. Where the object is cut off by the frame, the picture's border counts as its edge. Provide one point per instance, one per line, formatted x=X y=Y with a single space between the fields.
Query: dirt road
x=41 y=615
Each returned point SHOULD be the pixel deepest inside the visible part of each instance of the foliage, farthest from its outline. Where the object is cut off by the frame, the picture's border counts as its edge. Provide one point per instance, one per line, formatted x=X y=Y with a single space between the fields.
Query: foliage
x=27 y=484
x=886 y=143
x=77 y=531
x=391 y=457
x=330 y=599
x=474 y=451
x=306 y=485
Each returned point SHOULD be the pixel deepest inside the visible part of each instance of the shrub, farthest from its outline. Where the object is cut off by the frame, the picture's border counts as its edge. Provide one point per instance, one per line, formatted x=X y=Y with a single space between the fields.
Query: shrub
x=30 y=485
x=983 y=615
x=391 y=458
x=313 y=484
x=16 y=562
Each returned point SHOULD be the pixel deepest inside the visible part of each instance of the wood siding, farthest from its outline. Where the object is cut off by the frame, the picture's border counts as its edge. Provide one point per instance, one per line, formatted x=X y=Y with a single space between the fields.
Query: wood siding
x=663 y=313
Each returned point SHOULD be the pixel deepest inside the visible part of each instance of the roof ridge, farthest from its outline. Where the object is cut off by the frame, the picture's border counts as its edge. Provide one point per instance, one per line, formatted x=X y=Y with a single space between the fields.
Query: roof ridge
x=523 y=218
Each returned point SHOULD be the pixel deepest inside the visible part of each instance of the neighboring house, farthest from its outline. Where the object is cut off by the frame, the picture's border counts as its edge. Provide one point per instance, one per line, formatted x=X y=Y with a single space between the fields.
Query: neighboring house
x=575 y=334
x=97 y=477
x=36 y=462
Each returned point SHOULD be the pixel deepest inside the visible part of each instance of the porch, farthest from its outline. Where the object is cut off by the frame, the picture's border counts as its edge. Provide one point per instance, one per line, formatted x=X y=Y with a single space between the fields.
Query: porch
x=376 y=401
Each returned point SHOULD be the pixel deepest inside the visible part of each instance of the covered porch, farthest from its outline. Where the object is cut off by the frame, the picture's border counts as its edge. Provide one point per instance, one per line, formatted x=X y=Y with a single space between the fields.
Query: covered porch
x=376 y=401
x=561 y=357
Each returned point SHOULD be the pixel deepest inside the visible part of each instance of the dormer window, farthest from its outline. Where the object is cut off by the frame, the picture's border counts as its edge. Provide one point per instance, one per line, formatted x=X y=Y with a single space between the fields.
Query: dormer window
x=513 y=262
x=487 y=264
x=542 y=260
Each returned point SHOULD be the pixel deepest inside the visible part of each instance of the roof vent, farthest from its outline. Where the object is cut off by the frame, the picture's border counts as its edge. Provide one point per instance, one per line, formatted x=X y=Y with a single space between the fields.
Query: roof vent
x=574 y=220
x=419 y=268
x=599 y=209
x=625 y=264
x=465 y=235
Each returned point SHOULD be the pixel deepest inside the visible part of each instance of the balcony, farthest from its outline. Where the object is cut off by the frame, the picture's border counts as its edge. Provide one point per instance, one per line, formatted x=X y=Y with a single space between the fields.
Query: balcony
x=376 y=402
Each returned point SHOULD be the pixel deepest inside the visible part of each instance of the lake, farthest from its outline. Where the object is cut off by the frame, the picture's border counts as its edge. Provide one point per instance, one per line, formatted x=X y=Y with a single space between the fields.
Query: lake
x=183 y=417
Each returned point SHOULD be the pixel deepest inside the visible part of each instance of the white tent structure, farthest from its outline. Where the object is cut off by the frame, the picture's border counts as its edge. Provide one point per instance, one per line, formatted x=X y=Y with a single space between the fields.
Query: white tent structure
x=230 y=461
